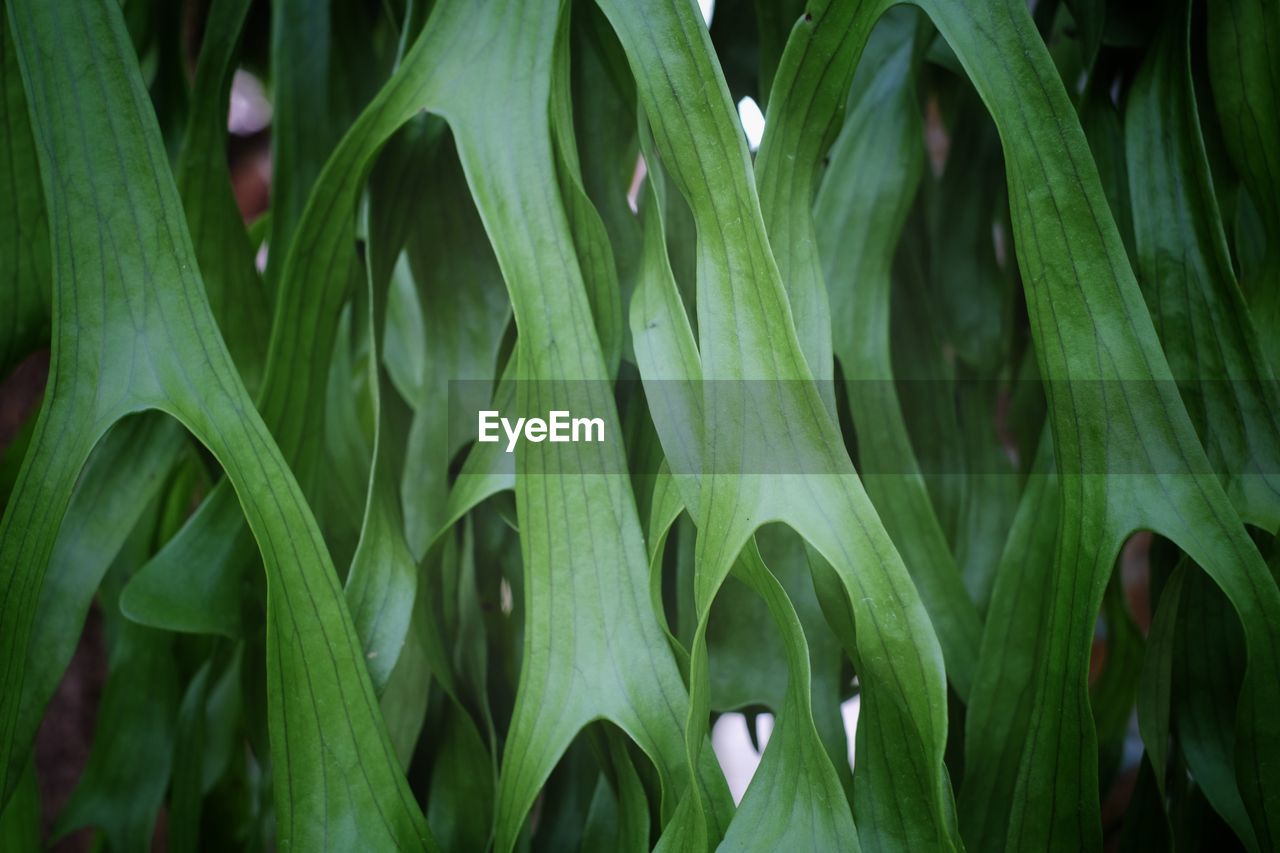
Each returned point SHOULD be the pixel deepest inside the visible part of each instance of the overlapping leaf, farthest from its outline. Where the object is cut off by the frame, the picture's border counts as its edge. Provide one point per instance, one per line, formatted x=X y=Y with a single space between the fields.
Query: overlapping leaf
x=854 y=440
x=134 y=332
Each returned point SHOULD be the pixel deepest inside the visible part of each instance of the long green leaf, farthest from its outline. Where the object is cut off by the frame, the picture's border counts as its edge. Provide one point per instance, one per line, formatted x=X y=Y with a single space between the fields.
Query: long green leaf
x=866 y=194
x=134 y=331
x=1100 y=357
x=746 y=336
x=24 y=252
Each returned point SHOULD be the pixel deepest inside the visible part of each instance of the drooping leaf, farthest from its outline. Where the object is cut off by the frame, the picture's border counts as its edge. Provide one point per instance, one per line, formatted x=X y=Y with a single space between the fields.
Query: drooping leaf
x=747 y=339
x=876 y=165
x=1101 y=361
x=146 y=339
x=796 y=798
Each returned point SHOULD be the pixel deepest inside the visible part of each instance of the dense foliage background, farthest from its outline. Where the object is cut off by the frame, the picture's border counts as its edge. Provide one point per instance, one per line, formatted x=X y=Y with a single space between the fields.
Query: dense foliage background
x=950 y=410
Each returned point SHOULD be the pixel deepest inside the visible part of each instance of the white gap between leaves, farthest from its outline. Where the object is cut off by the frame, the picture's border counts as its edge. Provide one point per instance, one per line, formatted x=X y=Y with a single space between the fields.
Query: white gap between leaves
x=752 y=121
x=739 y=759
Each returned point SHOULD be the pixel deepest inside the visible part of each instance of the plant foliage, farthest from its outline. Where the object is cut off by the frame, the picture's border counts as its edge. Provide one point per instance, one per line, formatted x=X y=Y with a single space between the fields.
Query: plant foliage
x=998 y=294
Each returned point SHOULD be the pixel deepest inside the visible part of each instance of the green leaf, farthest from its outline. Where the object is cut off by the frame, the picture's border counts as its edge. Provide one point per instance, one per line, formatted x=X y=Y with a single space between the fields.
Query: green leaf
x=24 y=252
x=1209 y=666
x=1208 y=334
x=1000 y=705
x=167 y=592
x=301 y=57
x=134 y=332
x=1155 y=680
x=876 y=164
x=746 y=333
x=123 y=478
x=1090 y=19
x=124 y=781
x=899 y=420
x=20 y=820
x=964 y=207
x=236 y=295
x=446 y=313
x=796 y=798
x=1101 y=361
x=1244 y=69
